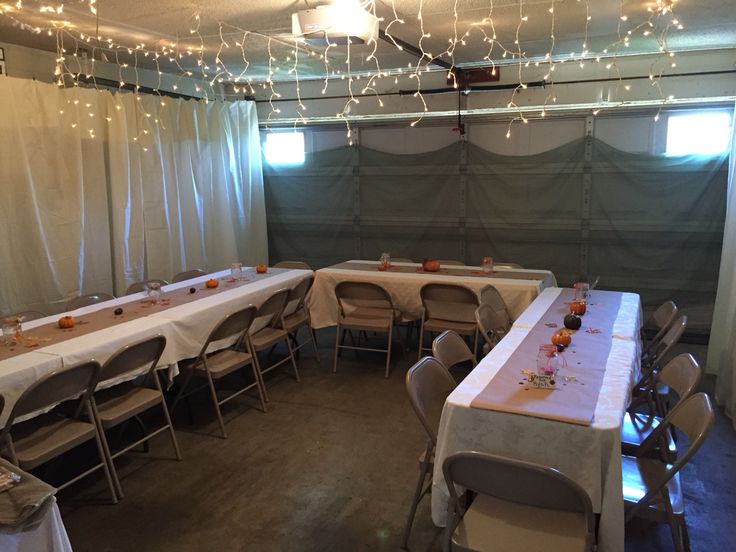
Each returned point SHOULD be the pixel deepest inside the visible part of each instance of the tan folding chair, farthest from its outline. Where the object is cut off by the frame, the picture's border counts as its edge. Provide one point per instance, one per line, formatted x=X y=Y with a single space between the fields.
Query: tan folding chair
x=448 y=307
x=681 y=376
x=215 y=365
x=519 y=506
x=450 y=262
x=428 y=384
x=265 y=333
x=653 y=361
x=450 y=349
x=137 y=287
x=296 y=314
x=188 y=275
x=86 y=300
x=652 y=488
x=293 y=264
x=34 y=442
x=492 y=316
x=125 y=401
x=363 y=307
x=25 y=316
x=661 y=320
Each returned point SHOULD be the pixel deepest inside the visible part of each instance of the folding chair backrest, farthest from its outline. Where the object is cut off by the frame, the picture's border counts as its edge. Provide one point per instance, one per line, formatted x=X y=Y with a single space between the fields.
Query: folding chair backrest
x=25 y=316
x=669 y=339
x=297 y=295
x=449 y=302
x=86 y=300
x=692 y=417
x=144 y=353
x=137 y=287
x=450 y=349
x=188 y=275
x=663 y=317
x=428 y=384
x=490 y=296
x=234 y=324
x=681 y=374
x=293 y=264
x=56 y=387
x=516 y=481
x=362 y=294
x=269 y=310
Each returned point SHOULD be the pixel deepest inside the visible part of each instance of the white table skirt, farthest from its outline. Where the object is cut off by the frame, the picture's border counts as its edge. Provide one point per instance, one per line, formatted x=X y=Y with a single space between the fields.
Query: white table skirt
x=590 y=455
x=404 y=289
x=49 y=535
x=185 y=328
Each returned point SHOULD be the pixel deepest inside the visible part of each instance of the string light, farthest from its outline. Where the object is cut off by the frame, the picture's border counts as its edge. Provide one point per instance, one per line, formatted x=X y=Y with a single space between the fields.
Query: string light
x=207 y=62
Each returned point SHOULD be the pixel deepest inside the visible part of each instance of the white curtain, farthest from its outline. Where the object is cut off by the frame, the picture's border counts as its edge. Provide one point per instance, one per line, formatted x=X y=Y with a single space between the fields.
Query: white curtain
x=101 y=190
x=722 y=345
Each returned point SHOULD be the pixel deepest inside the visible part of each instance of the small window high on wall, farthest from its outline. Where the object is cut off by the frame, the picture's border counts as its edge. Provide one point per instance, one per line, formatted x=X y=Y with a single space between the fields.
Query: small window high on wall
x=284 y=148
x=698 y=133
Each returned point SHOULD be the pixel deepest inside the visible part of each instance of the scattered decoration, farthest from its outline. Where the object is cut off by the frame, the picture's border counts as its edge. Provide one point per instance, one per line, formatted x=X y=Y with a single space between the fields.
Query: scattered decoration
x=118 y=311
x=552 y=325
x=592 y=331
x=192 y=290
x=212 y=283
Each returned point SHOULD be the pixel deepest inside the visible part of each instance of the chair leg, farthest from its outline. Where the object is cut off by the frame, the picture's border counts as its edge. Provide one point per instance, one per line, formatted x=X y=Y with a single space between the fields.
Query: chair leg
x=259 y=386
x=167 y=417
x=415 y=503
x=103 y=450
x=144 y=432
x=216 y=404
x=293 y=361
x=337 y=348
x=388 y=351
x=421 y=341
x=259 y=374
x=313 y=337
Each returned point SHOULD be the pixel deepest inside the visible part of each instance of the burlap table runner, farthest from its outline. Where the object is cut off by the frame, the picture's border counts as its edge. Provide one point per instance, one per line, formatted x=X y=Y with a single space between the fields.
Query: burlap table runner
x=578 y=385
x=51 y=334
x=508 y=274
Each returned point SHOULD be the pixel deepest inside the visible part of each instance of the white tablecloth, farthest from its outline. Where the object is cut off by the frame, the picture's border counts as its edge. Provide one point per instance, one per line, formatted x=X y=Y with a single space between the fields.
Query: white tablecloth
x=404 y=288
x=46 y=535
x=591 y=455
x=185 y=328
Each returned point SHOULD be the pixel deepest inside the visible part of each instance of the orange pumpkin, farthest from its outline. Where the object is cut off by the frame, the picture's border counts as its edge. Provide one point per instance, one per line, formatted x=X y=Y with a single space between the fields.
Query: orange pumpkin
x=561 y=338
x=430 y=265
x=261 y=269
x=212 y=283
x=578 y=307
x=66 y=322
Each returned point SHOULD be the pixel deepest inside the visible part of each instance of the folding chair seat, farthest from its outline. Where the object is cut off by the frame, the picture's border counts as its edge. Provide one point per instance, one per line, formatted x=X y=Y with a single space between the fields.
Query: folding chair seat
x=265 y=333
x=125 y=401
x=34 y=442
x=448 y=307
x=364 y=307
x=518 y=506
x=652 y=488
x=214 y=364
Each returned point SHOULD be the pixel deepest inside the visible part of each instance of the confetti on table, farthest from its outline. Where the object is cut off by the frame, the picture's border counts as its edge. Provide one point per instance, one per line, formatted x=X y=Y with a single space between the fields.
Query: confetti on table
x=551 y=325
x=592 y=331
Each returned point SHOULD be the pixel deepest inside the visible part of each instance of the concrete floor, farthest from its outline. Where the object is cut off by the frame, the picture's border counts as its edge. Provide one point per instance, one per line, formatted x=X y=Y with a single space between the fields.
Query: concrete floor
x=330 y=467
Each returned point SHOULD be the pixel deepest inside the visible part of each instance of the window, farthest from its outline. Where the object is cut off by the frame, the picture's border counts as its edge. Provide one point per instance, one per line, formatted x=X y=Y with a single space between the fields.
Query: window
x=284 y=148
x=703 y=133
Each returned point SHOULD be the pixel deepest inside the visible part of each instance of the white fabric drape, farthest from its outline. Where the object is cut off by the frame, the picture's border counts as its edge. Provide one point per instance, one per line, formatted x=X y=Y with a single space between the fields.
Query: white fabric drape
x=97 y=194
x=722 y=345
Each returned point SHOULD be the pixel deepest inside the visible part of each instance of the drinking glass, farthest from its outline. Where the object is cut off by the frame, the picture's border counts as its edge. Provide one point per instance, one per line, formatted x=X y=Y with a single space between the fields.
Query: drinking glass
x=154 y=292
x=486 y=265
x=236 y=271
x=11 y=329
x=582 y=292
x=385 y=260
x=548 y=360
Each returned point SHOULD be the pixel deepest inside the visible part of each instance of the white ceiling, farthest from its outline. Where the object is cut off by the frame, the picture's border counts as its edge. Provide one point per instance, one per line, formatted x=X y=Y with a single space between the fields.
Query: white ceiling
x=708 y=24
